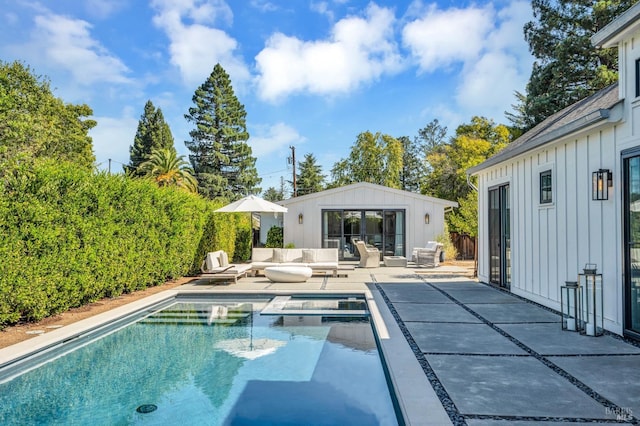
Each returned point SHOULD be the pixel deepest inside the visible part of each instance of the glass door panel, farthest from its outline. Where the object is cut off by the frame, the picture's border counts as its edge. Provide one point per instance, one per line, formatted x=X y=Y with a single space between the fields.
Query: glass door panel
x=373 y=229
x=393 y=233
x=499 y=236
x=632 y=243
x=352 y=229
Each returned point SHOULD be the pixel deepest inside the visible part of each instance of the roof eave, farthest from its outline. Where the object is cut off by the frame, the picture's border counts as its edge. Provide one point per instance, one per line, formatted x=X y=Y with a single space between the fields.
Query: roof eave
x=618 y=29
x=612 y=114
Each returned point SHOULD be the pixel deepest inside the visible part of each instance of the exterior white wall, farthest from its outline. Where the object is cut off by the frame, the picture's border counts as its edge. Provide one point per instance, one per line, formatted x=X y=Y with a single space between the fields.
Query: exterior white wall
x=363 y=196
x=551 y=243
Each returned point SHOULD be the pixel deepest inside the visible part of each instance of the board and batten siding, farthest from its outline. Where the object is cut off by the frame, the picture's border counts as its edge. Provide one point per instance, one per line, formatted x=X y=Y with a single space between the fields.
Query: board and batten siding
x=551 y=243
x=363 y=197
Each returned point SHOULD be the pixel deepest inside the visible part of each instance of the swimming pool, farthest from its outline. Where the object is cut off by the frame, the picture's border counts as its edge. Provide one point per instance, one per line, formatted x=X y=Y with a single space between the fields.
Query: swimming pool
x=214 y=360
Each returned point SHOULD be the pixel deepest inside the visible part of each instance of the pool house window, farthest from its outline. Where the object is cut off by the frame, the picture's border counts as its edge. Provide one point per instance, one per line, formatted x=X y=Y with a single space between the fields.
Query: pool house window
x=546 y=187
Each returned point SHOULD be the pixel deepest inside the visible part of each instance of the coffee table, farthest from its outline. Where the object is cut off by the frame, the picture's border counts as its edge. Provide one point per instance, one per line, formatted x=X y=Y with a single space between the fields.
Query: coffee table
x=288 y=274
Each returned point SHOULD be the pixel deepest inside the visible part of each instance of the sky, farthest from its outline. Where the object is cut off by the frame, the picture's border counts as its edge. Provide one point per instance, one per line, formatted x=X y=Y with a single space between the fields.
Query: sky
x=311 y=74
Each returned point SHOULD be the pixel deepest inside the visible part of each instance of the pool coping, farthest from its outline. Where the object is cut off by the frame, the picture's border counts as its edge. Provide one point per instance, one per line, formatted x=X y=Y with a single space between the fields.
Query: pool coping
x=416 y=399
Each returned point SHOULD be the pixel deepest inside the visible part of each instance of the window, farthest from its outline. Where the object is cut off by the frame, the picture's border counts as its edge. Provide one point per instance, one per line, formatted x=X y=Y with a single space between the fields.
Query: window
x=546 y=189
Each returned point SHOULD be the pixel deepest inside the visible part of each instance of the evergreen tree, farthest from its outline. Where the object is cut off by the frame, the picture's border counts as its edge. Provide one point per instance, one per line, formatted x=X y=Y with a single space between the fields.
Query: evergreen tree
x=220 y=155
x=35 y=124
x=567 y=68
x=310 y=179
x=153 y=134
x=413 y=164
x=273 y=195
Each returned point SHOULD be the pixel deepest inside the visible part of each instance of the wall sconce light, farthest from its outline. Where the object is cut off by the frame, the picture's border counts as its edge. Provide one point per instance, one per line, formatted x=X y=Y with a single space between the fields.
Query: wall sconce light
x=426 y=218
x=300 y=217
x=602 y=180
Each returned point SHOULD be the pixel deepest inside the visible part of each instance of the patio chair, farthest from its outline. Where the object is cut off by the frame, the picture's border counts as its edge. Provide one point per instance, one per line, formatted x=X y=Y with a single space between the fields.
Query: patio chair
x=216 y=266
x=429 y=255
x=369 y=255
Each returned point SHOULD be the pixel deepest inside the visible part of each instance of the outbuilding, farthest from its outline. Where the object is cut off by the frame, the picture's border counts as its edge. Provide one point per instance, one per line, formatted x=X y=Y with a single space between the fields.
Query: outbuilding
x=393 y=220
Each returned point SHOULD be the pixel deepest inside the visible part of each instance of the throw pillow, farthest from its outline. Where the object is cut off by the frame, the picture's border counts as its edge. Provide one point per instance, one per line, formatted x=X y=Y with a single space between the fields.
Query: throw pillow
x=212 y=261
x=308 y=256
x=278 y=255
x=224 y=259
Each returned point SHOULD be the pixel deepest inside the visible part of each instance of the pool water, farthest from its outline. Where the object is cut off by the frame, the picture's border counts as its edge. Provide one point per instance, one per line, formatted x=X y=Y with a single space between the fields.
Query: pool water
x=213 y=362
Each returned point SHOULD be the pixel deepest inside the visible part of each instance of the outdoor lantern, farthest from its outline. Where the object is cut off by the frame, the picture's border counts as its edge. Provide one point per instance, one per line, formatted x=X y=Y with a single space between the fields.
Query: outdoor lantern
x=570 y=306
x=300 y=218
x=426 y=218
x=591 y=315
x=602 y=180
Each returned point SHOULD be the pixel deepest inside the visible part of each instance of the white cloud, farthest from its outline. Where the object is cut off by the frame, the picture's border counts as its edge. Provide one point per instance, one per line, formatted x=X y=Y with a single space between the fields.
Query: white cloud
x=488 y=45
x=360 y=50
x=104 y=8
x=68 y=44
x=442 y=37
x=273 y=138
x=112 y=138
x=195 y=45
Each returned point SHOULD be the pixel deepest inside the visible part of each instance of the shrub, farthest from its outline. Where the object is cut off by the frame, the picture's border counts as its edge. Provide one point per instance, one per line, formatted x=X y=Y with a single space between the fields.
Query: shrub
x=71 y=237
x=275 y=237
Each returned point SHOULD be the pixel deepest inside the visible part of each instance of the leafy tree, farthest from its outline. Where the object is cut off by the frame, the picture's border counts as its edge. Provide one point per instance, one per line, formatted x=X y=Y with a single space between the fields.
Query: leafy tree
x=220 y=155
x=472 y=144
x=310 y=178
x=35 y=124
x=272 y=194
x=374 y=158
x=166 y=168
x=153 y=133
x=567 y=67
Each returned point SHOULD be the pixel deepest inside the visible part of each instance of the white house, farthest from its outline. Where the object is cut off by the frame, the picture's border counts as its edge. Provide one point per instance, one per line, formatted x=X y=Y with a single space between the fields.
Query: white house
x=393 y=220
x=566 y=194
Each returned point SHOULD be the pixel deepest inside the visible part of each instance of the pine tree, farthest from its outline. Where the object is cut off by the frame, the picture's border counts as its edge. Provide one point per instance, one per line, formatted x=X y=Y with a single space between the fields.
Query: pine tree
x=567 y=68
x=310 y=179
x=220 y=155
x=153 y=134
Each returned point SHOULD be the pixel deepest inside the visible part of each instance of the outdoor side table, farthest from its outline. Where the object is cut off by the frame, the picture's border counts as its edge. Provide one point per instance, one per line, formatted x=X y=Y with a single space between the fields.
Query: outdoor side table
x=395 y=261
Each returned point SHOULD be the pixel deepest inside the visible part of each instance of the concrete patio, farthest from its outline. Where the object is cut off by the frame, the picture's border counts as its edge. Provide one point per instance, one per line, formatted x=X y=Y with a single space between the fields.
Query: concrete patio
x=458 y=351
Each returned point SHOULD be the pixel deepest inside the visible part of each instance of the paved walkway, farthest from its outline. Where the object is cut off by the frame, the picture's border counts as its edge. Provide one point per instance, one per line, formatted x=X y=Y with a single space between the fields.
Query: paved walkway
x=494 y=358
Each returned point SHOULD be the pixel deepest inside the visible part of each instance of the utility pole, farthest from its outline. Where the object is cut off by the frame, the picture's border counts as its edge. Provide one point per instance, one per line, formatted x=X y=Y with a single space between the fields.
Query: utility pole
x=109 y=165
x=293 y=162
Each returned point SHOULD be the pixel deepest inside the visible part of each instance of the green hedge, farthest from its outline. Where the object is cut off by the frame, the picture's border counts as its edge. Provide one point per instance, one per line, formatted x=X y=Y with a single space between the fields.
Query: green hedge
x=71 y=237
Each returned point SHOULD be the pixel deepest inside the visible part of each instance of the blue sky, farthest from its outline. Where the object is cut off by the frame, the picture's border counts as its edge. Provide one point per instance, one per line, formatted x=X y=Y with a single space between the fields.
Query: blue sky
x=312 y=74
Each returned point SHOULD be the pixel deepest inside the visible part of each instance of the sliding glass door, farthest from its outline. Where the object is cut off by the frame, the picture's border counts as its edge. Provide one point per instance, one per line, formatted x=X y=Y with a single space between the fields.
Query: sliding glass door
x=631 y=213
x=500 y=236
x=384 y=229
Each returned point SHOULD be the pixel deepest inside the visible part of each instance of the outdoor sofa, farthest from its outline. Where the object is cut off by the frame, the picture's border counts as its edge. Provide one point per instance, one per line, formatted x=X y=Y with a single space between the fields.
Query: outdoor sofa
x=318 y=259
x=216 y=266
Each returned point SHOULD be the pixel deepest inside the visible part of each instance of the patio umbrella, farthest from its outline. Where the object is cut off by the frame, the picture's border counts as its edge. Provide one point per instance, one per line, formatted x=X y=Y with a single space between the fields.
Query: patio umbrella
x=252 y=204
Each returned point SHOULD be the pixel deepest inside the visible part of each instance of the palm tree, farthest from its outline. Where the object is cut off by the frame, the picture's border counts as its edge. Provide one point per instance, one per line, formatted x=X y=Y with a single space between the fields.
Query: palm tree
x=166 y=168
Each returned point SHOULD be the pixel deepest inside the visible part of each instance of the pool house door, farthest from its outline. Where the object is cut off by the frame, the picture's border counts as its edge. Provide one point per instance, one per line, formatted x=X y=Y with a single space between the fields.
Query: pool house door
x=499 y=236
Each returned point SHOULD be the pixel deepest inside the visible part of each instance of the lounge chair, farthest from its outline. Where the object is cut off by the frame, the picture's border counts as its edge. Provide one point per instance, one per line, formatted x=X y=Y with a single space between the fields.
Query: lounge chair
x=429 y=255
x=369 y=255
x=216 y=266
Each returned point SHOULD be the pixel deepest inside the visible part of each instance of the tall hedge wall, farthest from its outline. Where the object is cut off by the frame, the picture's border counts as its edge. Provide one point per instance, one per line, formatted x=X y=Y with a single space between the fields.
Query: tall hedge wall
x=70 y=237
